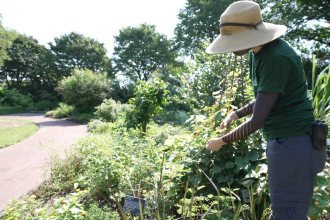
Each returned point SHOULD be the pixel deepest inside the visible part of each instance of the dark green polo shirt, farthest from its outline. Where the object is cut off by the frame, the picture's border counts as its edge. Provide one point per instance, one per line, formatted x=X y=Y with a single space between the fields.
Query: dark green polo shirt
x=278 y=68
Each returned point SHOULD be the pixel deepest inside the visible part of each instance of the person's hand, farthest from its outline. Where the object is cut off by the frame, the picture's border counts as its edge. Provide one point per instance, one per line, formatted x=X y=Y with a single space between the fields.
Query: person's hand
x=215 y=144
x=224 y=125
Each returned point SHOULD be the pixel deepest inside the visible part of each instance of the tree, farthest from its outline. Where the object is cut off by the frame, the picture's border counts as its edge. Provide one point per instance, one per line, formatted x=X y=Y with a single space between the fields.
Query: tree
x=84 y=89
x=24 y=63
x=6 y=37
x=148 y=102
x=199 y=20
x=75 y=50
x=303 y=17
x=140 y=50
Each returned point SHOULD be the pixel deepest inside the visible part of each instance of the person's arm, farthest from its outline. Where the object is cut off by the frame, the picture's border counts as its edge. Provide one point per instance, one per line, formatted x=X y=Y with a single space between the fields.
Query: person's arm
x=240 y=113
x=261 y=109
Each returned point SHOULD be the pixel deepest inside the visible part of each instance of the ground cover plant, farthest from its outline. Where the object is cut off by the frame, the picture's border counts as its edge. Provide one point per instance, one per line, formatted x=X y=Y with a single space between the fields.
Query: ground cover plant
x=13 y=131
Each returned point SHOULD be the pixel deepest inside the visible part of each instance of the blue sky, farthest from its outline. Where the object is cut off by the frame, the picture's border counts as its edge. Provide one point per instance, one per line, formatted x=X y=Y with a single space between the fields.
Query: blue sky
x=99 y=19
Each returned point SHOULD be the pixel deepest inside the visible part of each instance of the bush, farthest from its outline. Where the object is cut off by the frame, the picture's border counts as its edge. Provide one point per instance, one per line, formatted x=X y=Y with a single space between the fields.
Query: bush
x=150 y=97
x=10 y=110
x=84 y=89
x=44 y=105
x=177 y=117
x=84 y=118
x=95 y=212
x=93 y=124
x=64 y=110
x=109 y=110
x=14 y=98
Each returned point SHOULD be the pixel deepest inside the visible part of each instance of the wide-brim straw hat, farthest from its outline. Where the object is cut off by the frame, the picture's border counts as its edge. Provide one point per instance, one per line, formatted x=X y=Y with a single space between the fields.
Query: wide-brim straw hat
x=242 y=27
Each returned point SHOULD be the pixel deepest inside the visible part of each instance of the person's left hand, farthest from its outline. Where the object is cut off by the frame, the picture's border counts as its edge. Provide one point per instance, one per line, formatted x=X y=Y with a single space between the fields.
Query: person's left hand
x=215 y=144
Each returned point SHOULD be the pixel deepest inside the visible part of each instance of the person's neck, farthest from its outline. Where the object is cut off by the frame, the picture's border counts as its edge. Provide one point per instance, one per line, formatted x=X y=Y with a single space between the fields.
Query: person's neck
x=257 y=49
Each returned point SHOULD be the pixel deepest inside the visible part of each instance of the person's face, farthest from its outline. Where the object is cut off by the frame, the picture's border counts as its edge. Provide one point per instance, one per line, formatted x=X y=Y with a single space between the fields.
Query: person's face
x=242 y=52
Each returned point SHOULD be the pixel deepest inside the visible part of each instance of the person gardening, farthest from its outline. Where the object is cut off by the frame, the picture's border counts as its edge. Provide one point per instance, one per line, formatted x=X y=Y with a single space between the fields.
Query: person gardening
x=282 y=108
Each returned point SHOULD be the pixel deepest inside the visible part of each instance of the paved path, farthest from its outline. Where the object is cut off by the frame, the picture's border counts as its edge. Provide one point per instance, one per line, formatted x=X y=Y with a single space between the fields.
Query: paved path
x=22 y=164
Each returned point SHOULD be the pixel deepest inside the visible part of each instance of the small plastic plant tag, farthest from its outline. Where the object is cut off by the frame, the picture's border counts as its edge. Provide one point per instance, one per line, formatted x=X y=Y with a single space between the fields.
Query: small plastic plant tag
x=133 y=204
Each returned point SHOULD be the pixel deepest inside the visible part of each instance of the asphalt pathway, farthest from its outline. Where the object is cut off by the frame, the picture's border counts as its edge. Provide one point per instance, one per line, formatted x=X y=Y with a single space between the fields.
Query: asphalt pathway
x=22 y=165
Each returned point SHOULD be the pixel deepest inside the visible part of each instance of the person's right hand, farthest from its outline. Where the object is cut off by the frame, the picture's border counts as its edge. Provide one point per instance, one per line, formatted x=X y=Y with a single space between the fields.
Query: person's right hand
x=224 y=125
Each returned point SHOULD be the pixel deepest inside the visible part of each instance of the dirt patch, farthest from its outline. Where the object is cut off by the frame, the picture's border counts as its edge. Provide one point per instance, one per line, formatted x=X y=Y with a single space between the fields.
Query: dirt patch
x=12 y=123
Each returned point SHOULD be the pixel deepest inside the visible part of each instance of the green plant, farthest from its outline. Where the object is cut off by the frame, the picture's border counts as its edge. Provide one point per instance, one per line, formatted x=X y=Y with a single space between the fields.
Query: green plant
x=84 y=89
x=64 y=110
x=84 y=118
x=321 y=93
x=10 y=110
x=148 y=101
x=320 y=204
x=93 y=124
x=95 y=212
x=109 y=110
x=13 y=97
x=30 y=208
x=44 y=105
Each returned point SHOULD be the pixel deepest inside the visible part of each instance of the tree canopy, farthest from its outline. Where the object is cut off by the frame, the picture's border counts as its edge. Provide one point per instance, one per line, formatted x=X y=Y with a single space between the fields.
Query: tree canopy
x=199 y=20
x=139 y=51
x=24 y=63
x=308 y=23
x=6 y=37
x=75 y=50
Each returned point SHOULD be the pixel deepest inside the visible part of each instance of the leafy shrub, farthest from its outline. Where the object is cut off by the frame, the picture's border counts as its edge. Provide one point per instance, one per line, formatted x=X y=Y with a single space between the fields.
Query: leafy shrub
x=84 y=118
x=95 y=212
x=10 y=110
x=109 y=110
x=14 y=98
x=177 y=117
x=93 y=124
x=84 y=89
x=148 y=101
x=64 y=110
x=31 y=208
x=44 y=105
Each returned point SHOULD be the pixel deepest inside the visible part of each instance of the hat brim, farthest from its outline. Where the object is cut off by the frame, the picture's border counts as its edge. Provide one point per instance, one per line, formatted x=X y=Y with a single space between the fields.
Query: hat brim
x=266 y=33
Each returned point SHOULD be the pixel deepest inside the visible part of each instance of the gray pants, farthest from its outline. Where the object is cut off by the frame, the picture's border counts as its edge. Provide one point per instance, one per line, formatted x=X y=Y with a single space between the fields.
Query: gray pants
x=293 y=165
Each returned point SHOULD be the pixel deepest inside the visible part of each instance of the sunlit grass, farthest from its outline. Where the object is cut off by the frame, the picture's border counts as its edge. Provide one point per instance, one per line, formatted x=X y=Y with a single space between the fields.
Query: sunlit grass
x=13 y=131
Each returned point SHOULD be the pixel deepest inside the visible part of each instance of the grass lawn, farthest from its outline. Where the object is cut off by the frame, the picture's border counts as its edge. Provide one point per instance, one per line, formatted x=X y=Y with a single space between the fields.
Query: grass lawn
x=13 y=131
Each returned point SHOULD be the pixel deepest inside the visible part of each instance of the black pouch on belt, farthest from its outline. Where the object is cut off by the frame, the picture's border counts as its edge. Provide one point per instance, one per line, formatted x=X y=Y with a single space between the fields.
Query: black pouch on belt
x=320 y=133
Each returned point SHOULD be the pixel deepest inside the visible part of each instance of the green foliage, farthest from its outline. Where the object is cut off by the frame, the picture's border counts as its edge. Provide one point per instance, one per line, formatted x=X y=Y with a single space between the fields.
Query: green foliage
x=321 y=93
x=140 y=51
x=148 y=102
x=44 y=105
x=12 y=97
x=95 y=212
x=175 y=117
x=84 y=89
x=199 y=21
x=75 y=50
x=109 y=110
x=6 y=38
x=83 y=118
x=25 y=60
x=30 y=208
x=64 y=110
x=93 y=124
x=320 y=203
x=308 y=24
x=10 y=110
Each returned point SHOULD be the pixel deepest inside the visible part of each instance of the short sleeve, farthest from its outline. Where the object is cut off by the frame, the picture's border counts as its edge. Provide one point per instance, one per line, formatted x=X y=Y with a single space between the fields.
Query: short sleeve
x=274 y=74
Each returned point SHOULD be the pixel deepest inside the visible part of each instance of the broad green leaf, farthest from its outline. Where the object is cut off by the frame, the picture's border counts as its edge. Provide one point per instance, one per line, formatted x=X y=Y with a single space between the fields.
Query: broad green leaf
x=216 y=169
x=229 y=165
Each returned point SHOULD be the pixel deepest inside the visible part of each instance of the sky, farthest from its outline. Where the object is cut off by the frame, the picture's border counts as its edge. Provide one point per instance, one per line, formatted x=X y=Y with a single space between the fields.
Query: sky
x=98 y=19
